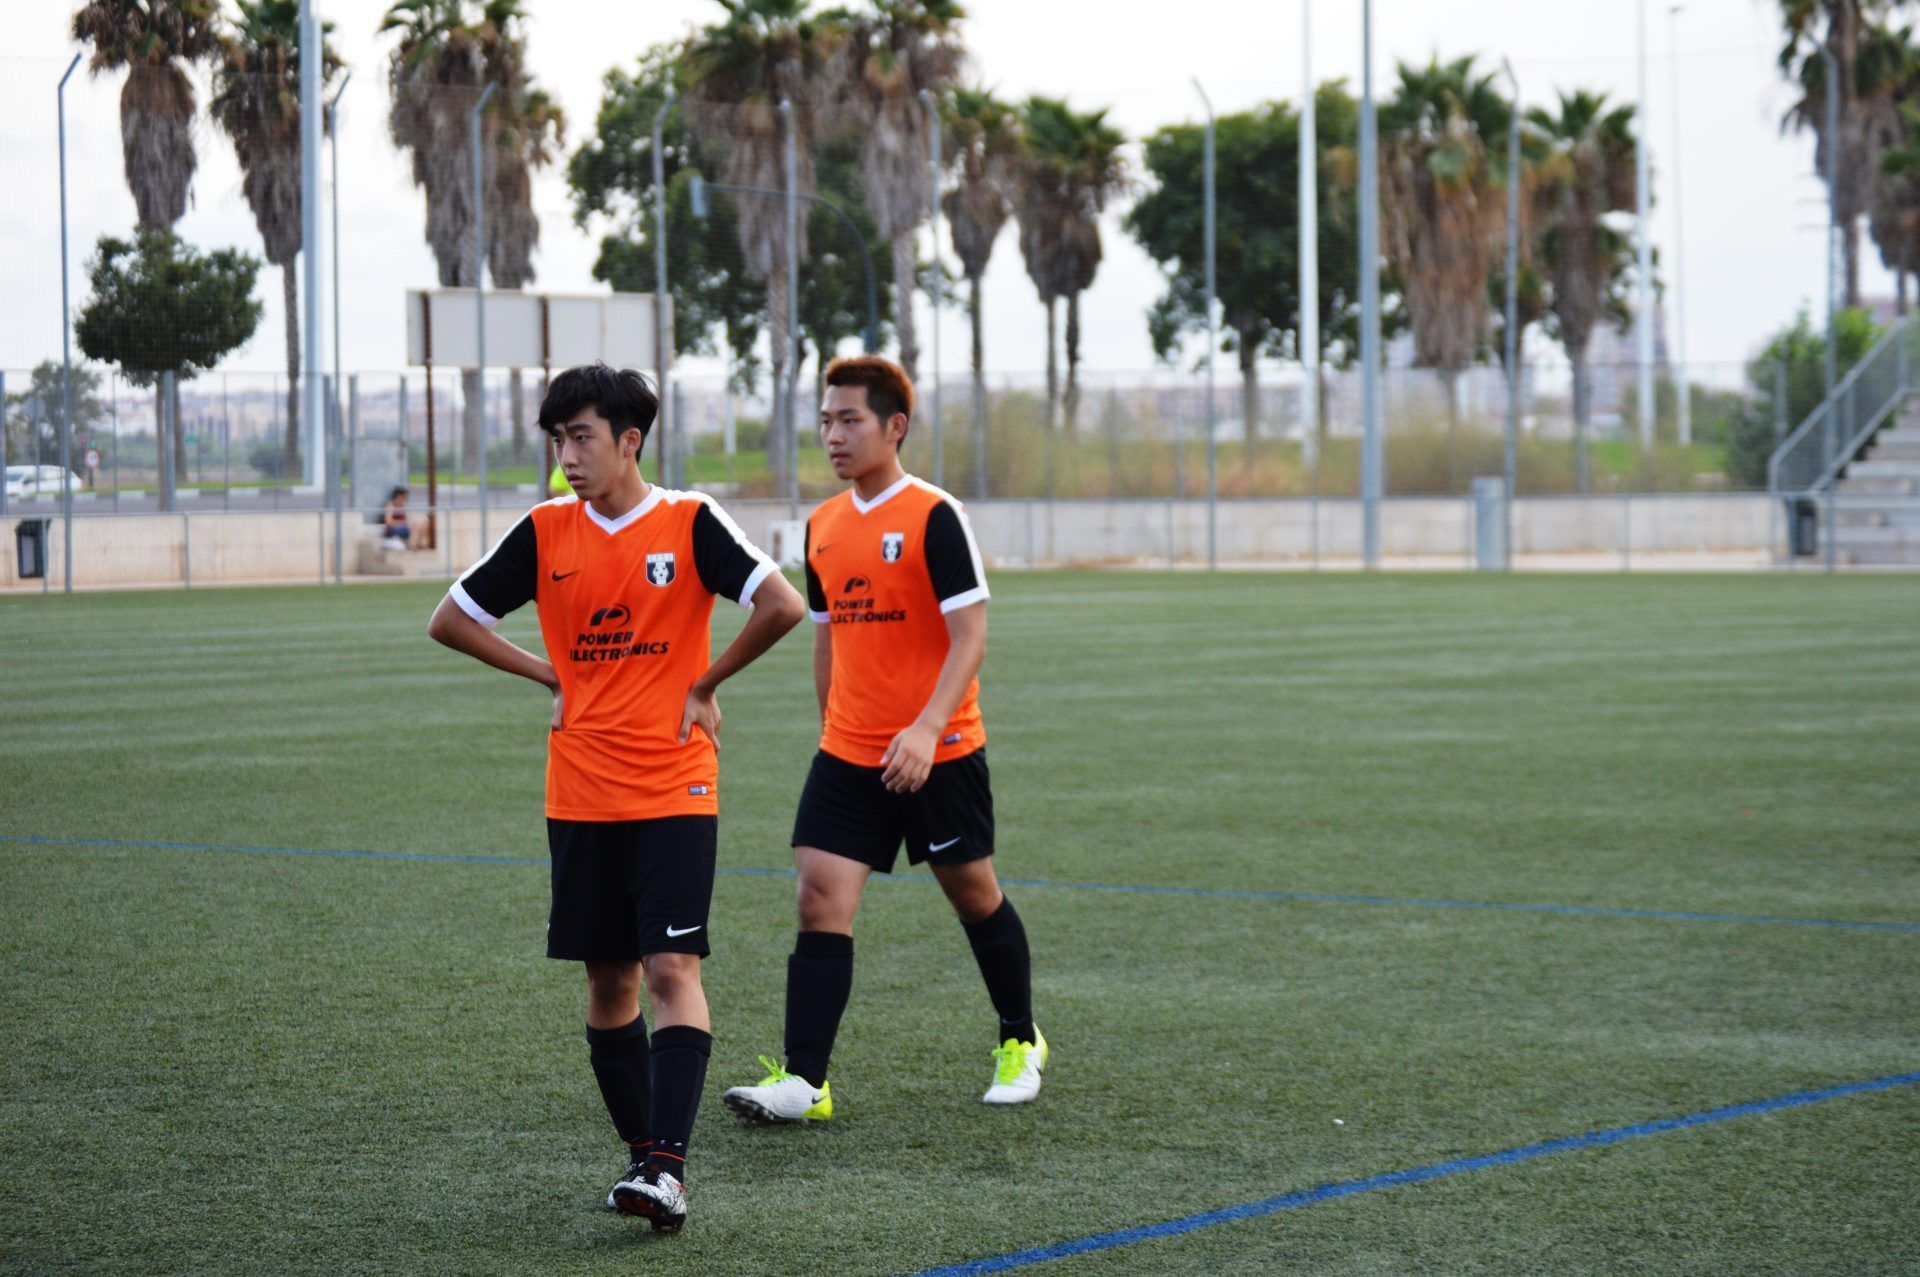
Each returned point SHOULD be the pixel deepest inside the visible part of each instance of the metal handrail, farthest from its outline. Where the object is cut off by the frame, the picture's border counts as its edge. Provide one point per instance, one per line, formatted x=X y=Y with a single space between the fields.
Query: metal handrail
x=1829 y=408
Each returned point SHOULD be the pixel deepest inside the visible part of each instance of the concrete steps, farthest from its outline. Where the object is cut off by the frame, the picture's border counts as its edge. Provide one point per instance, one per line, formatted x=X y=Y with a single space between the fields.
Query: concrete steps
x=1877 y=508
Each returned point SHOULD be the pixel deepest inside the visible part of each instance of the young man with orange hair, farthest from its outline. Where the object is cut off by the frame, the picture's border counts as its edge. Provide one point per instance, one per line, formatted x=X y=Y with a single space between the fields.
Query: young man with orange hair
x=899 y=598
x=624 y=574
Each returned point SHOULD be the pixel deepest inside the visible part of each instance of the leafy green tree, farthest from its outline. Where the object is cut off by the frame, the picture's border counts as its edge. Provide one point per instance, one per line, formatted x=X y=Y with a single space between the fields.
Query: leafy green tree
x=33 y=414
x=833 y=288
x=1801 y=351
x=159 y=306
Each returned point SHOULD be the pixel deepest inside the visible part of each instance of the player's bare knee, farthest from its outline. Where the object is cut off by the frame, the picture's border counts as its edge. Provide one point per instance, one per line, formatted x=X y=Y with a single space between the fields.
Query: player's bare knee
x=672 y=977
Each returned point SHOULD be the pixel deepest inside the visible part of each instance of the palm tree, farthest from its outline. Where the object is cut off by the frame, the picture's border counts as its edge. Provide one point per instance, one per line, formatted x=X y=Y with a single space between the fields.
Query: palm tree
x=446 y=55
x=154 y=40
x=256 y=102
x=1443 y=211
x=1585 y=173
x=1871 y=63
x=986 y=140
x=892 y=53
x=739 y=70
x=527 y=134
x=1895 y=219
x=1069 y=167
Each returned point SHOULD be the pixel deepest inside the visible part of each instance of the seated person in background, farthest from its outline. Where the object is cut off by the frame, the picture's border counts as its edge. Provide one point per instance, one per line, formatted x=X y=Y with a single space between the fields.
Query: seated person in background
x=394 y=517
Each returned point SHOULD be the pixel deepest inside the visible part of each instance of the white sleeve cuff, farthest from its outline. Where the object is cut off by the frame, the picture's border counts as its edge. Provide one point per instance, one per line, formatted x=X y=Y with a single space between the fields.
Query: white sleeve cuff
x=978 y=594
x=760 y=574
x=459 y=595
x=820 y=618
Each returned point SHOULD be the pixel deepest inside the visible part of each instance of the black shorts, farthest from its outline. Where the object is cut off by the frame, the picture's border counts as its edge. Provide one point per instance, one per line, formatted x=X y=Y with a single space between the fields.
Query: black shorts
x=846 y=810
x=625 y=888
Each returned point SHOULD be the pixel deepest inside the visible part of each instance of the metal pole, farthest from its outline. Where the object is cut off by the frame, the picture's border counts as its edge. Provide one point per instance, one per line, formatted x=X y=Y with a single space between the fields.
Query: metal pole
x=1833 y=202
x=662 y=339
x=1372 y=454
x=334 y=495
x=333 y=193
x=1643 y=200
x=480 y=287
x=66 y=356
x=789 y=446
x=1685 y=420
x=937 y=292
x=1213 y=341
x=1508 y=464
x=3 y=423
x=310 y=72
x=1309 y=200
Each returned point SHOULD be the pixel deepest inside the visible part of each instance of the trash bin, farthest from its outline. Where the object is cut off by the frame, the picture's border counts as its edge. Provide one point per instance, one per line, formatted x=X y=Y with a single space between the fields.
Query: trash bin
x=30 y=548
x=1803 y=526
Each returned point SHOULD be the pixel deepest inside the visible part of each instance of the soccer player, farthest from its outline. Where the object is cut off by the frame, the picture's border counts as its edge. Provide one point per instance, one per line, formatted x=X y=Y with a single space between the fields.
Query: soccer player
x=895 y=586
x=624 y=574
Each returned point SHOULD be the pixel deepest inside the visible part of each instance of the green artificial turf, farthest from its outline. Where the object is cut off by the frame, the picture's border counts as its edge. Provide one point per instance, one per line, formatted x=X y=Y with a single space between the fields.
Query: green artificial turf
x=218 y=1058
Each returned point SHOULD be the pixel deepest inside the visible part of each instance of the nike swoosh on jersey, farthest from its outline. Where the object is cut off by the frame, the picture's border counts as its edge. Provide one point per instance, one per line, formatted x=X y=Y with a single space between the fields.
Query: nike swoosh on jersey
x=561 y=576
x=942 y=846
x=683 y=931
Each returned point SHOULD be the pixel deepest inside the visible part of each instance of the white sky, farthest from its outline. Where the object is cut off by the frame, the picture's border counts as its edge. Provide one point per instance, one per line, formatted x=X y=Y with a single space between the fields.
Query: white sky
x=1753 y=210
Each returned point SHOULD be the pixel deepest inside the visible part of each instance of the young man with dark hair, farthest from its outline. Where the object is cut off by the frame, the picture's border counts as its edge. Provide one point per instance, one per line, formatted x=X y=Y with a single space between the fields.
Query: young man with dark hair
x=895 y=586
x=624 y=575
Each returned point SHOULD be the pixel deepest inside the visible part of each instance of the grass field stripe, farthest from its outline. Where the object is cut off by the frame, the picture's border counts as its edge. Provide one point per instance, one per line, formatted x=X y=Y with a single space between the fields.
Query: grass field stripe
x=1216 y=893
x=1413 y=1175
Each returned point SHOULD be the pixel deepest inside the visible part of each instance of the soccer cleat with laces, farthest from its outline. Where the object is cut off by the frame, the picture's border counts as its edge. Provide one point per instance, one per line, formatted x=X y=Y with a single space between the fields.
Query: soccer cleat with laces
x=633 y=1173
x=652 y=1194
x=1016 y=1070
x=780 y=1097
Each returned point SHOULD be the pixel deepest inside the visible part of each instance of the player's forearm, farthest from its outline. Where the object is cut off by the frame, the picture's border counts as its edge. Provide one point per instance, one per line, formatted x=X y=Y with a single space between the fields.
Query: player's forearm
x=822 y=664
x=777 y=608
x=967 y=649
x=455 y=629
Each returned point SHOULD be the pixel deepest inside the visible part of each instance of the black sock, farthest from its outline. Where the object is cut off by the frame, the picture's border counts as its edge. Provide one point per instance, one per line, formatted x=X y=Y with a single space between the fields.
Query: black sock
x=1000 y=947
x=819 y=979
x=680 y=1054
x=622 y=1066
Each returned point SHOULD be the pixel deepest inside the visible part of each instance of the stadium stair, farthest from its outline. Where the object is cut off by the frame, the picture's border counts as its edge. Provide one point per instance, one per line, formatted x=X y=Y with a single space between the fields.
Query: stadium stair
x=1877 y=519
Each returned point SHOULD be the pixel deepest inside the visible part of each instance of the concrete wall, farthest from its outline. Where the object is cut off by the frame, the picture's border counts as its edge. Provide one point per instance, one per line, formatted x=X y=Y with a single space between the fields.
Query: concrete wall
x=121 y=550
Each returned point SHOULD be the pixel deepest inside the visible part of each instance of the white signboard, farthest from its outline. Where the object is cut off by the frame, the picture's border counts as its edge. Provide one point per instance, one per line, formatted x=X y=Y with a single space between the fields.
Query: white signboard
x=442 y=329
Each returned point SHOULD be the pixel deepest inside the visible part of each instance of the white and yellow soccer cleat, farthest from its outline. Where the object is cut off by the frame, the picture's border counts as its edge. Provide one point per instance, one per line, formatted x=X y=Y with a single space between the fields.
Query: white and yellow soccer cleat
x=1017 y=1067
x=780 y=1097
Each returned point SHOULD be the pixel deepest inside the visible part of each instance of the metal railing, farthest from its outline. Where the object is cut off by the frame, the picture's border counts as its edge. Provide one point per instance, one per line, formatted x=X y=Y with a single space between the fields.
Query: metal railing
x=1808 y=464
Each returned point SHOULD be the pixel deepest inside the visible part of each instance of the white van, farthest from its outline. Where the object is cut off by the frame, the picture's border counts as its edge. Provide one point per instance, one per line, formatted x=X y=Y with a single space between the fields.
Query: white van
x=36 y=481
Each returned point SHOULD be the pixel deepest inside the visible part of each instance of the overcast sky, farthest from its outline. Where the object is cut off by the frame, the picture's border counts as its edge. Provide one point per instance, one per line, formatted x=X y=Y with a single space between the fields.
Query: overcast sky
x=1752 y=207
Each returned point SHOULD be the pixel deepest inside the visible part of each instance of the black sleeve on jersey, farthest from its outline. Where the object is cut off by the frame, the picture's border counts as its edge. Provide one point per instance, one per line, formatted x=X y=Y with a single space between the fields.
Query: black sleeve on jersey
x=505 y=579
x=721 y=555
x=950 y=554
x=816 y=596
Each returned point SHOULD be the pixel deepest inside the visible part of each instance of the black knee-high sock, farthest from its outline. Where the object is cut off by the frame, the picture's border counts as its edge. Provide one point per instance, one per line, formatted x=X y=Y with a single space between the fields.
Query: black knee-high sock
x=622 y=1066
x=999 y=943
x=680 y=1054
x=819 y=980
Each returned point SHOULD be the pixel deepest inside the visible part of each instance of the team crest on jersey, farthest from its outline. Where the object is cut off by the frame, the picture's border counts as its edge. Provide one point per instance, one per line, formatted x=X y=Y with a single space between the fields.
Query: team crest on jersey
x=891 y=544
x=660 y=568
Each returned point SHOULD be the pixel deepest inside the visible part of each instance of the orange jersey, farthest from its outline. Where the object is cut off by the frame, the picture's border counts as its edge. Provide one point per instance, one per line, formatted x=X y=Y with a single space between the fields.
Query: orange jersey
x=884 y=574
x=624 y=608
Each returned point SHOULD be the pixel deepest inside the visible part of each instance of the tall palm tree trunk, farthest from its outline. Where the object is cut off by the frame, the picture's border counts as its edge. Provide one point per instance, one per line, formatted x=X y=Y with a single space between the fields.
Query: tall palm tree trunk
x=473 y=388
x=1850 y=240
x=289 y=291
x=1249 y=403
x=1053 y=365
x=1582 y=406
x=1072 y=398
x=516 y=392
x=162 y=488
x=976 y=318
x=1450 y=385
x=781 y=347
x=903 y=290
x=179 y=438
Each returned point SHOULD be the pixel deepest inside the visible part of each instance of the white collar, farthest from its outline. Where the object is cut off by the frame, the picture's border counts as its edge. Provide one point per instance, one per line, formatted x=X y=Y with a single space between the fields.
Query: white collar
x=655 y=495
x=893 y=490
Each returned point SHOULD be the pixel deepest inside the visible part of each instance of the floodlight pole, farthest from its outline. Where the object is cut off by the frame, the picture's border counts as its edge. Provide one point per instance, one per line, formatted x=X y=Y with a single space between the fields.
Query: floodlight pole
x=789 y=445
x=333 y=145
x=1832 y=62
x=1213 y=340
x=662 y=339
x=1508 y=465
x=1685 y=420
x=66 y=358
x=480 y=287
x=937 y=293
x=1309 y=200
x=310 y=87
x=1643 y=202
x=1372 y=454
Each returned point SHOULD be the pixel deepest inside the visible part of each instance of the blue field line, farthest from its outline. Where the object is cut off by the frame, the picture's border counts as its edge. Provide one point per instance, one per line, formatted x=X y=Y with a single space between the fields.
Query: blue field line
x=1215 y=893
x=1413 y=1175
